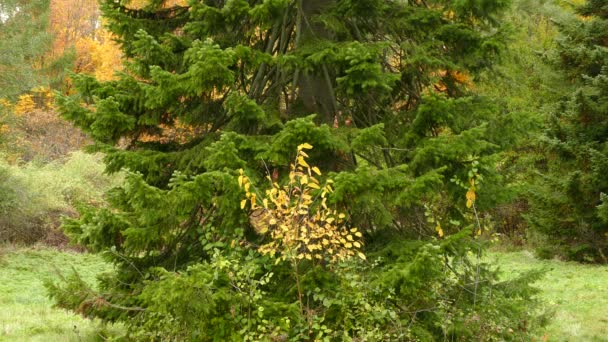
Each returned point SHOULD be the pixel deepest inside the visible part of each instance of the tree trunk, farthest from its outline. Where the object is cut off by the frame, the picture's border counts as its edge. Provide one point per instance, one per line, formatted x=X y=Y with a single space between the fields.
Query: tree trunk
x=315 y=88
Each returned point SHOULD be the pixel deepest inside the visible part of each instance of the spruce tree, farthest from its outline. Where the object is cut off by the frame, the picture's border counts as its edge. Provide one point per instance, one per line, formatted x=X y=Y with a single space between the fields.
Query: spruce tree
x=380 y=89
x=569 y=199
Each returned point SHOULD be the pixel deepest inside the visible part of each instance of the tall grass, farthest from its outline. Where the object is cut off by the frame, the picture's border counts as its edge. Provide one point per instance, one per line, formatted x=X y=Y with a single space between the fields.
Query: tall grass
x=34 y=196
x=26 y=312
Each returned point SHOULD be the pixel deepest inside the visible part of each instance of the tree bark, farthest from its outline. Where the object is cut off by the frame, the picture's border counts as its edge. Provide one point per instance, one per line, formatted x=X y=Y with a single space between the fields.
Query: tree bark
x=316 y=87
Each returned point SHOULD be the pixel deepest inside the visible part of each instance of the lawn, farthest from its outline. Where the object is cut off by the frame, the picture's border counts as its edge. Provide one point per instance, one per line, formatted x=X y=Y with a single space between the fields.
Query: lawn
x=26 y=313
x=578 y=294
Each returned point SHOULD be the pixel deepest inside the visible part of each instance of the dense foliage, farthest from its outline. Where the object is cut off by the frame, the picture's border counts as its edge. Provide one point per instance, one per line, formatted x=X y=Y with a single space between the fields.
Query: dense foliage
x=569 y=203
x=23 y=43
x=216 y=92
x=33 y=196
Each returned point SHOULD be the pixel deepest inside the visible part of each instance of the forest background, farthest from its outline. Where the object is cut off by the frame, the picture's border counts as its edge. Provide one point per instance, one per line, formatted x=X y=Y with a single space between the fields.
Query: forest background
x=323 y=170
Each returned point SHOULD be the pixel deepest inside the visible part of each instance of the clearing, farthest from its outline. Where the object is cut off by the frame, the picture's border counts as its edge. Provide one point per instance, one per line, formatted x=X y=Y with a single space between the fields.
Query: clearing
x=576 y=293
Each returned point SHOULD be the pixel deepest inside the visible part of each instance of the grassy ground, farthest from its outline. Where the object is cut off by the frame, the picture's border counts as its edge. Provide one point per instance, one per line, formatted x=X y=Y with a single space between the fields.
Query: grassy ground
x=577 y=293
x=26 y=313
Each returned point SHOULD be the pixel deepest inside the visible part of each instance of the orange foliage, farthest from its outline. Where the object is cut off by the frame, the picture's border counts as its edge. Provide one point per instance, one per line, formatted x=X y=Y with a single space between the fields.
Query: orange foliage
x=78 y=24
x=99 y=55
x=72 y=20
x=37 y=130
x=24 y=105
x=166 y=4
x=179 y=132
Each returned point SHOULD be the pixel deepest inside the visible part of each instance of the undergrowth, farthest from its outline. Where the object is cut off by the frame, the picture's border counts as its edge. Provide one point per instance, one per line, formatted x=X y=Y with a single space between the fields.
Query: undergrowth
x=33 y=196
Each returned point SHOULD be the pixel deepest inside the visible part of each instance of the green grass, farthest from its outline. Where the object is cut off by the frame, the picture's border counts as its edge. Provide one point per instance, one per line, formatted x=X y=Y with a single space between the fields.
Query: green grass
x=26 y=313
x=578 y=294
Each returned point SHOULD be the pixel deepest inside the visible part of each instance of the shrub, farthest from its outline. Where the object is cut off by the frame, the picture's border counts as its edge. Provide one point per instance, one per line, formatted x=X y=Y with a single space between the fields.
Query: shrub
x=34 y=196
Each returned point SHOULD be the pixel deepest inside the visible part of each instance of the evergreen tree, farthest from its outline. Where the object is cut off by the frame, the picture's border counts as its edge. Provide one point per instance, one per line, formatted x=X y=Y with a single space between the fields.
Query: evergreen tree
x=381 y=89
x=23 y=44
x=568 y=201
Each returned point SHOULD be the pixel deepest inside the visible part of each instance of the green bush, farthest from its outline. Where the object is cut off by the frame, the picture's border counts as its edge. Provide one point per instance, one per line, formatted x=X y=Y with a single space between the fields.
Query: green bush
x=409 y=291
x=34 y=196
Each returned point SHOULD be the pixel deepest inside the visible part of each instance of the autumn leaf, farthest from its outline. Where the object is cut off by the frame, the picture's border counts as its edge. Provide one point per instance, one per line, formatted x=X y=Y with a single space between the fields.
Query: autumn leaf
x=439 y=230
x=471 y=195
x=302 y=162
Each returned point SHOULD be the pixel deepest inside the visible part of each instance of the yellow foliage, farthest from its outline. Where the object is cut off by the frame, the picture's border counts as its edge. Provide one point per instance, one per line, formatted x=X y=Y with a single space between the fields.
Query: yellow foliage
x=299 y=226
x=439 y=230
x=4 y=103
x=25 y=104
x=99 y=55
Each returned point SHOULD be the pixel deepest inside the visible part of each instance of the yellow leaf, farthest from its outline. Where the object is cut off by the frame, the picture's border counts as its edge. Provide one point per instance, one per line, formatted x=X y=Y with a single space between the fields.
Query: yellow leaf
x=243 y=203
x=240 y=181
x=341 y=216
x=469 y=203
x=471 y=195
x=304 y=146
x=348 y=245
x=265 y=202
x=302 y=162
x=358 y=234
x=357 y=244
x=439 y=230
x=361 y=255
x=349 y=237
x=316 y=170
x=479 y=232
x=272 y=221
x=304 y=179
x=313 y=186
